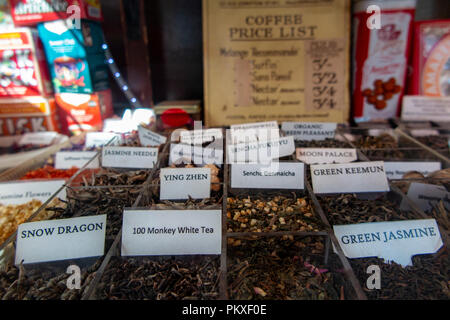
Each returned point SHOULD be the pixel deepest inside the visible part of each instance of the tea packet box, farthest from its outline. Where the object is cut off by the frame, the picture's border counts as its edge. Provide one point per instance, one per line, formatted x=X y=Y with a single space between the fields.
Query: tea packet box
x=23 y=68
x=276 y=60
x=28 y=114
x=6 y=21
x=75 y=56
x=32 y=12
x=84 y=112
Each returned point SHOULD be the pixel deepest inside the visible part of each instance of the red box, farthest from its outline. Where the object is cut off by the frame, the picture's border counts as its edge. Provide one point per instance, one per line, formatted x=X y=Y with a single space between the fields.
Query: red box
x=32 y=12
x=23 y=68
x=431 y=55
x=28 y=114
x=84 y=112
x=381 y=59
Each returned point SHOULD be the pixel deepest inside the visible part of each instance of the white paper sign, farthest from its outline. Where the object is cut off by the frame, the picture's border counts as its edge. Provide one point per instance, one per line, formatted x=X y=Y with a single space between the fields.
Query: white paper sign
x=277 y=175
x=99 y=139
x=325 y=155
x=358 y=177
x=183 y=153
x=61 y=239
x=423 y=132
x=252 y=132
x=129 y=157
x=262 y=152
x=423 y=108
x=69 y=159
x=118 y=126
x=396 y=170
x=199 y=137
x=425 y=196
x=23 y=192
x=309 y=131
x=394 y=241
x=171 y=232
x=149 y=138
x=180 y=183
x=37 y=138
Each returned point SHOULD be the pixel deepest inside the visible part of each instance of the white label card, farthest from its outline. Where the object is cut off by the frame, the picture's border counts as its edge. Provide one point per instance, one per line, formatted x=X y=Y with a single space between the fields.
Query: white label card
x=129 y=157
x=425 y=196
x=358 y=177
x=394 y=241
x=99 y=139
x=171 y=232
x=396 y=170
x=183 y=153
x=61 y=239
x=326 y=155
x=423 y=108
x=262 y=152
x=37 y=138
x=23 y=192
x=69 y=159
x=149 y=138
x=180 y=183
x=277 y=175
x=309 y=131
x=423 y=132
x=252 y=132
x=198 y=137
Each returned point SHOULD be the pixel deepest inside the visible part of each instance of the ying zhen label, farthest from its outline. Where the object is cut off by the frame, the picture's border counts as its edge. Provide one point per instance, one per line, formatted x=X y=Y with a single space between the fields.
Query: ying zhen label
x=129 y=157
x=182 y=183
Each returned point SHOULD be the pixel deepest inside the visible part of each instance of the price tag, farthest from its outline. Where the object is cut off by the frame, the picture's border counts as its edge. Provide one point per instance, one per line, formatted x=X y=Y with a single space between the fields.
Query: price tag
x=37 y=138
x=396 y=170
x=99 y=139
x=394 y=241
x=23 y=192
x=308 y=131
x=278 y=175
x=183 y=153
x=180 y=183
x=171 y=232
x=326 y=155
x=149 y=138
x=359 y=177
x=425 y=196
x=61 y=239
x=423 y=108
x=69 y=159
x=198 y=137
x=262 y=152
x=129 y=157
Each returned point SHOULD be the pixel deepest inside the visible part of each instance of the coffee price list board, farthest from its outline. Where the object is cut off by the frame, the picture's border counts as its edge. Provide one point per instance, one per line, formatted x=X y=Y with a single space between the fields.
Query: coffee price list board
x=276 y=60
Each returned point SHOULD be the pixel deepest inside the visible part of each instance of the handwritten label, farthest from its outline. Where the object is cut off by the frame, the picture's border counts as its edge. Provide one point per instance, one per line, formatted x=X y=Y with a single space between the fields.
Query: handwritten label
x=129 y=157
x=326 y=155
x=394 y=241
x=309 y=131
x=396 y=170
x=149 y=138
x=61 y=239
x=262 y=152
x=182 y=183
x=425 y=196
x=183 y=153
x=37 y=138
x=99 y=139
x=69 y=159
x=278 y=175
x=198 y=137
x=23 y=192
x=171 y=232
x=357 y=177
x=423 y=108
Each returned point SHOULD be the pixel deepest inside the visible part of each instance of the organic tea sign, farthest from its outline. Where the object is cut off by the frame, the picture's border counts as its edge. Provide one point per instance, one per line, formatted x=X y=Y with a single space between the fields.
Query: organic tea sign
x=61 y=239
x=394 y=241
x=171 y=232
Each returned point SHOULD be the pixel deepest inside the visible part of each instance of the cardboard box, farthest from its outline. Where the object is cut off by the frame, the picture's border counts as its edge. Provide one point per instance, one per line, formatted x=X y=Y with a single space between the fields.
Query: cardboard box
x=32 y=12
x=84 y=112
x=23 y=68
x=28 y=114
x=75 y=57
x=276 y=60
